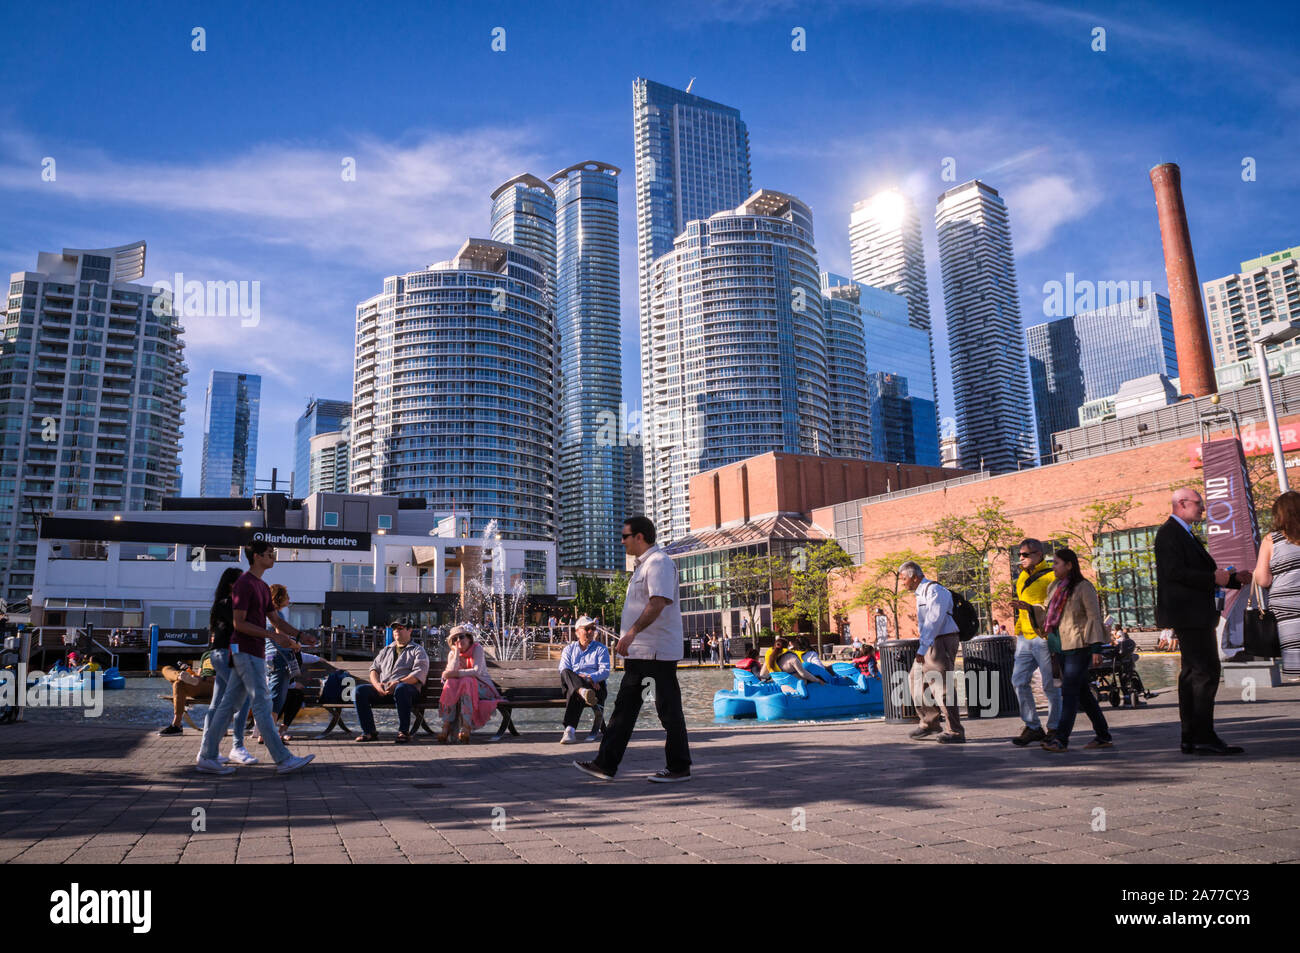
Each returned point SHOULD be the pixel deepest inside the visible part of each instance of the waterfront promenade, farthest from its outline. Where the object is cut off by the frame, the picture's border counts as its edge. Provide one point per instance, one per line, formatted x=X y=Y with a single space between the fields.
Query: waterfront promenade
x=857 y=793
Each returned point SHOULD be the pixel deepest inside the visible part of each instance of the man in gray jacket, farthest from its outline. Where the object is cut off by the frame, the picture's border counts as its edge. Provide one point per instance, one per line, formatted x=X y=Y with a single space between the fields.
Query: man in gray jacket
x=397 y=674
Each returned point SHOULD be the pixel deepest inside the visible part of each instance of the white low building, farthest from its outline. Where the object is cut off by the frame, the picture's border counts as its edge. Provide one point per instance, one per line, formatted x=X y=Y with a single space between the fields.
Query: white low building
x=345 y=559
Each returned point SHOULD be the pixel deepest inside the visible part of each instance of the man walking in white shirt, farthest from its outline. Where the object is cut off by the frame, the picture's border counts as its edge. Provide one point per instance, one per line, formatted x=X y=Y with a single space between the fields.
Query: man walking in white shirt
x=651 y=642
x=936 y=657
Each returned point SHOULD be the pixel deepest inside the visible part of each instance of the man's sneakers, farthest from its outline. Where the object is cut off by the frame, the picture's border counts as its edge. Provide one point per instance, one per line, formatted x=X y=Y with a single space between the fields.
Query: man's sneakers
x=293 y=763
x=922 y=732
x=171 y=730
x=594 y=736
x=241 y=756
x=570 y=735
x=952 y=738
x=589 y=767
x=588 y=695
x=1028 y=736
x=665 y=776
x=209 y=766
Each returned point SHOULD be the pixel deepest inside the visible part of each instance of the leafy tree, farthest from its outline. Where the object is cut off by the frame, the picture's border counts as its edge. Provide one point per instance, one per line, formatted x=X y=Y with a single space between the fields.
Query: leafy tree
x=883 y=588
x=749 y=583
x=615 y=595
x=1264 y=489
x=786 y=619
x=591 y=596
x=1082 y=535
x=810 y=594
x=965 y=544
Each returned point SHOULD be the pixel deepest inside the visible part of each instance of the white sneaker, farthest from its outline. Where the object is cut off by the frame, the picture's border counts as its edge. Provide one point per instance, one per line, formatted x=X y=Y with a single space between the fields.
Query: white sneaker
x=241 y=756
x=208 y=766
x=570 y=736
x=293 y=763
x=588 y=695
x=223 y=759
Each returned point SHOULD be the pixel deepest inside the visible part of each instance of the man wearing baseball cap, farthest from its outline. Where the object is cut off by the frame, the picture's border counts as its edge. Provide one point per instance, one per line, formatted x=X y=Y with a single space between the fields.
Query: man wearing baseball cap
x=397 y=673
x=584 y=669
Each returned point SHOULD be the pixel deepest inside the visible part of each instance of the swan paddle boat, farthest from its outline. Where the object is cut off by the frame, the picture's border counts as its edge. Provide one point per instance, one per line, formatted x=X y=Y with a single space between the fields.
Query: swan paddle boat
x=66 y=680
x=785 y=697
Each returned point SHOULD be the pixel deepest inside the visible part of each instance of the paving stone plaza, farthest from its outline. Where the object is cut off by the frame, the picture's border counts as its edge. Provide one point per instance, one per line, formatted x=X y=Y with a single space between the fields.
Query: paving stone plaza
x=829 y=793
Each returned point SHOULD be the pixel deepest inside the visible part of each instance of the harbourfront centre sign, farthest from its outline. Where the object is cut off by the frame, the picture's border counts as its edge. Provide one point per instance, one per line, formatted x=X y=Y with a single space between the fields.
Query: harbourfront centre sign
x=139 y=531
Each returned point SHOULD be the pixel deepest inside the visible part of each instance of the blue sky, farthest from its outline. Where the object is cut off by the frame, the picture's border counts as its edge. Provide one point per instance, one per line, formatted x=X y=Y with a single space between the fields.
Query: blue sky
x=227 y=162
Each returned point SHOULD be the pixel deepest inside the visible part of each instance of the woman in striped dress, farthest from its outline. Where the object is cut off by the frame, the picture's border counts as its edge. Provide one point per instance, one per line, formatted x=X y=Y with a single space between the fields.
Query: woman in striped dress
x=1278 y=570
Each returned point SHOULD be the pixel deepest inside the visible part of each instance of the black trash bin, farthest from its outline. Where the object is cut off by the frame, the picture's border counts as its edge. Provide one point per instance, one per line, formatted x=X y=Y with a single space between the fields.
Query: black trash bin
x=896 y=657
x=992 y=659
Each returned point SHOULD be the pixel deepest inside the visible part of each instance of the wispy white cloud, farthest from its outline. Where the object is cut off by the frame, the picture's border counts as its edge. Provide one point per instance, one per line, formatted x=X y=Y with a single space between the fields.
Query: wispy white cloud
x=410 y=202
x=1043 y=205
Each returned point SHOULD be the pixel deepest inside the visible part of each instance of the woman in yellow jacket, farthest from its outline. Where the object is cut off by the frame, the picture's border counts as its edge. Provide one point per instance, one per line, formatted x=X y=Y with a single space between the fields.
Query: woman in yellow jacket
x=1075 y=634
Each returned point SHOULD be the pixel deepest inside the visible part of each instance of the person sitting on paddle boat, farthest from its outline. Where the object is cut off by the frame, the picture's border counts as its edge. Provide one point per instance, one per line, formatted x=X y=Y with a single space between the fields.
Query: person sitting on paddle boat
x=864 y=657
x=812 y=661
x=749 y=663
x=782 y=658
x=187 y=684
x=77 y=664
x=398 y=672
x=468 y=695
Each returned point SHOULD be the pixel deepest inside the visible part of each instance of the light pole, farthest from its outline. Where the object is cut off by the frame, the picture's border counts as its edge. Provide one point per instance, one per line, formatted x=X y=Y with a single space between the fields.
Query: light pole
x=1275 y=332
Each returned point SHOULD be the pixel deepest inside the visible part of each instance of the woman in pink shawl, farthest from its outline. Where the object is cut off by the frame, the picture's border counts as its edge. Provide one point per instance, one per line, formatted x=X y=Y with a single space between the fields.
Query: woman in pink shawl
x=468 y=695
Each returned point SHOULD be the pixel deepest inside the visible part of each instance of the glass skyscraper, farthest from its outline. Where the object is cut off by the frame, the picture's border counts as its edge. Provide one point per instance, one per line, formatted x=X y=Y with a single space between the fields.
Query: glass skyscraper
x=453 y=390
x=92 y=394
x=592 y=488
x=523 y=214
x=846 y=368
x=230 y=415
x=321 y=416
x=990 y=380
x=1087 y=356
x=738 y=345
x=692 y=160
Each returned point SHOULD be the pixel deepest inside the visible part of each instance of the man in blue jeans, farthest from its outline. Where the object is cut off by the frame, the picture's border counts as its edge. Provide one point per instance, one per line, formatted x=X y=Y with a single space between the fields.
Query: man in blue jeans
x=397 y=673
x=252 y=609
x=1031 y=647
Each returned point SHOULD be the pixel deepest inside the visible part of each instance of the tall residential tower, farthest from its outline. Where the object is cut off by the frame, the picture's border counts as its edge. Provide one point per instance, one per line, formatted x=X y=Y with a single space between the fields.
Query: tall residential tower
x=591 y=490
x=995 y=419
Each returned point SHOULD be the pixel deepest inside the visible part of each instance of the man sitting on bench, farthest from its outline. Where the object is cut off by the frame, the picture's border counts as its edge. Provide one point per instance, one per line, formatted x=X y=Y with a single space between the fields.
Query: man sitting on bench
x=584 y=669
x=397 y=675
x=186 y=684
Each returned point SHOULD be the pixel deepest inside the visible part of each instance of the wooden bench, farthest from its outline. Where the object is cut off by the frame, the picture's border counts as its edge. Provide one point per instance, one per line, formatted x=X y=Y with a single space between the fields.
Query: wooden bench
x=531 y=684
x=311 y=678
x=361 y=672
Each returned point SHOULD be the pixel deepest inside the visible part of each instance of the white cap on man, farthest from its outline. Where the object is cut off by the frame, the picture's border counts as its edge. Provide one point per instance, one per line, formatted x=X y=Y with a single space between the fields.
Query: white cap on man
x=584 y=621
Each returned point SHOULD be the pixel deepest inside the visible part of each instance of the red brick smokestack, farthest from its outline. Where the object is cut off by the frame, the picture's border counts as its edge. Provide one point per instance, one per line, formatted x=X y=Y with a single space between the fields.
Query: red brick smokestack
x=1191 y=339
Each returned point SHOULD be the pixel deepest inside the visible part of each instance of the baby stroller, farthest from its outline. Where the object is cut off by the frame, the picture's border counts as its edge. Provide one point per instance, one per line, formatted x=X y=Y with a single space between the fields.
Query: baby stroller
x=1117 y=678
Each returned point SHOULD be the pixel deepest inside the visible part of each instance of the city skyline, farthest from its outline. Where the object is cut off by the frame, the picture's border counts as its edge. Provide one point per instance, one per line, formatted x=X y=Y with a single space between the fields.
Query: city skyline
x=251 y=189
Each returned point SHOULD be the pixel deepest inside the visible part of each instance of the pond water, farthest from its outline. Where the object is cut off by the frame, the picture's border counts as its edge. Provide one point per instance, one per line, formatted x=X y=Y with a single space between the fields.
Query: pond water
x=139 y=705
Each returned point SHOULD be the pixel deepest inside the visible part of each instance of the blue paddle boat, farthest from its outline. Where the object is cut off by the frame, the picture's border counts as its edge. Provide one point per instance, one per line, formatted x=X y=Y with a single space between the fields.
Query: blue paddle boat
x=848 y=693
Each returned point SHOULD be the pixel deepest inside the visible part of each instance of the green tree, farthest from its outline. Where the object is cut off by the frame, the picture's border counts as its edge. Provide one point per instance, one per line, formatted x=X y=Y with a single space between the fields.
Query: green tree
x=883 y=588
x=749 y=583
x=809 y=592
x=615 y=595
x=590 y=596
x=1083 y=533
x=966 y=543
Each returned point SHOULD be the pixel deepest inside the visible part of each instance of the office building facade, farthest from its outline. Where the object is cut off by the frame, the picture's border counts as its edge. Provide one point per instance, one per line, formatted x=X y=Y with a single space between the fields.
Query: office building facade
x=453 y=390
x=1088 y=356
x=230 y=416
x=591 y=490
x=92 y=394
x=329 y=461
x=523 y=214
x=321 y=416
x=1266 y=289
x=989 y=366
x=738 y=347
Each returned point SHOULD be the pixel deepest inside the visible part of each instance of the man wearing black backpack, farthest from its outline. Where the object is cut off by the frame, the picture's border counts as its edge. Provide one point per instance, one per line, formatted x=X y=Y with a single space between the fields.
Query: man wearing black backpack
x=931 y=682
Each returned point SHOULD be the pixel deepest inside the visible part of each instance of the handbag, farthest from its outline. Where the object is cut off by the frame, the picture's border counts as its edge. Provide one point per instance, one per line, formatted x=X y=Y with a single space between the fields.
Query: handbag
x=1259 y=629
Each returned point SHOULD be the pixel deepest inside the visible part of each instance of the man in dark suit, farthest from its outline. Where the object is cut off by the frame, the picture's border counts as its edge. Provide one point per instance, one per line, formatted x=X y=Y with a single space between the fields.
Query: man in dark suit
x=1186 y=579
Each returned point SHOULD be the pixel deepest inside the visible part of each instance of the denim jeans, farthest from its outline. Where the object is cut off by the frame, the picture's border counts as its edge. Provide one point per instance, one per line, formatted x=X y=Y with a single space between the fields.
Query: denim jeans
x=221 y=666
x=248 y=679
x=404 y=697
x=1033 y=654
x=1076 y=693
x=277 y=680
